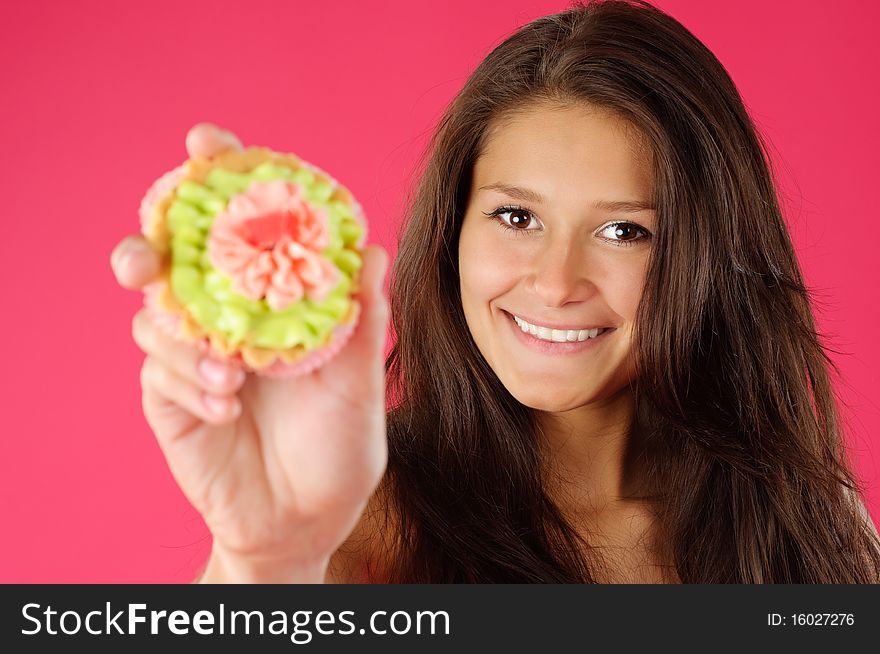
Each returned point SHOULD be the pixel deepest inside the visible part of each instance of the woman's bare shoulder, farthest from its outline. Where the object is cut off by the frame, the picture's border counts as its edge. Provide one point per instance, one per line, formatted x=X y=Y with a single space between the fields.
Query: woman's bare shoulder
x=365 y=555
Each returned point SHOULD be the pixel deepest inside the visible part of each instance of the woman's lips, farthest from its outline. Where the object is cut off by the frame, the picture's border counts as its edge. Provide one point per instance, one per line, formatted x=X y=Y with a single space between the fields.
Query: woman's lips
x=551 y=347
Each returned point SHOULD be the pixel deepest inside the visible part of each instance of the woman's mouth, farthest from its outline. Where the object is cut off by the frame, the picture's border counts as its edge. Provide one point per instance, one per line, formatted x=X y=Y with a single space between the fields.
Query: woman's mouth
x=548 y=340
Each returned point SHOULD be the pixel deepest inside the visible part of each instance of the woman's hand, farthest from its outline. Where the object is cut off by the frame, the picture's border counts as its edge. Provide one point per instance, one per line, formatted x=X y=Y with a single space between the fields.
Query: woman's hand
x=280 y=470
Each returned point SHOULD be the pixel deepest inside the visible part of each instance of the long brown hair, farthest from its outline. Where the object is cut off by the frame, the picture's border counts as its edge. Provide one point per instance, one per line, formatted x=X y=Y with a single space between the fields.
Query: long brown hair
x=733 y=387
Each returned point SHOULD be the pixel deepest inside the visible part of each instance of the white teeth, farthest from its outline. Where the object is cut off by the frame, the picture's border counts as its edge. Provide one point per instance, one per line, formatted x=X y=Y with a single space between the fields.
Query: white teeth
x=556 y=335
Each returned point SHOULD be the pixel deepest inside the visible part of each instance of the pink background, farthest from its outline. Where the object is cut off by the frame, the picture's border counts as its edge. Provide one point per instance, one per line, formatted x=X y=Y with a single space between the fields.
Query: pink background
x=97 y=98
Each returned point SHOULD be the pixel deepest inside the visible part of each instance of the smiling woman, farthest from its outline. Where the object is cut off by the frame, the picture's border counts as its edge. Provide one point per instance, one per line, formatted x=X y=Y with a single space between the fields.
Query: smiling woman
x=563 y=277
x=553 y=313
x=606 y=366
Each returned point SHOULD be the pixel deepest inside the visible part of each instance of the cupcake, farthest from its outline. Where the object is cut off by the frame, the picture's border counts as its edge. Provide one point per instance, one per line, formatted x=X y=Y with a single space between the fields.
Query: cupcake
x=263 y=252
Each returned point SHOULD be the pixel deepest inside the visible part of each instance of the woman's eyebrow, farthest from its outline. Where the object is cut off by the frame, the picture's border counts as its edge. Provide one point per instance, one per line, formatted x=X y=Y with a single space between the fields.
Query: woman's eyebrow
x=528 y=195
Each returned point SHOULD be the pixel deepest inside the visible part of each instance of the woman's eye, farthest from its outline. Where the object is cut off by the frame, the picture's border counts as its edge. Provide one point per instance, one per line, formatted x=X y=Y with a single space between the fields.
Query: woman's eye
x=622 y=233
x=518 y=218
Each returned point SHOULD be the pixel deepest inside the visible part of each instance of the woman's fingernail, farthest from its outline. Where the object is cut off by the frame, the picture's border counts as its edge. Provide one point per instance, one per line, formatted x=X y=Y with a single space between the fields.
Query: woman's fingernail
x=228 y=138
x=124 y=254
x=114 y=257
x=123 y=261
x=137 y=246
x=239 y=376
x=219 y=406
x=214 y=372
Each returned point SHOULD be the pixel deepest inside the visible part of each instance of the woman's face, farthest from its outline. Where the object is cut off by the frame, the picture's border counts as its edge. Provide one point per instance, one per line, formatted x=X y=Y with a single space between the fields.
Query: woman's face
x=560 y=249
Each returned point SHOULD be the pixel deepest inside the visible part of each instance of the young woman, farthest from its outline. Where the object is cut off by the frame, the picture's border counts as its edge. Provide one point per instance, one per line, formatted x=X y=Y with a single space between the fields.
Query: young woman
x=606 y=367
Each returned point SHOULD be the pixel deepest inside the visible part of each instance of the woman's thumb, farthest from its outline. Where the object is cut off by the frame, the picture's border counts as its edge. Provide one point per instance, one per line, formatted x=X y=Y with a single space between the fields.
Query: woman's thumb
x=369 y=336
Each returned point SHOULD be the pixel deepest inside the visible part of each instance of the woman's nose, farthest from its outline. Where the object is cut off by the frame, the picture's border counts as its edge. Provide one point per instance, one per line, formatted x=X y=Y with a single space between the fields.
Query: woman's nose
x=561 y=274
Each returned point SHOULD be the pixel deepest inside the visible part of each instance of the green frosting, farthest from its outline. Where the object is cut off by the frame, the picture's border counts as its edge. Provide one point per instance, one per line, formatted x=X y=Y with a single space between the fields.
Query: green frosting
x=207 y=292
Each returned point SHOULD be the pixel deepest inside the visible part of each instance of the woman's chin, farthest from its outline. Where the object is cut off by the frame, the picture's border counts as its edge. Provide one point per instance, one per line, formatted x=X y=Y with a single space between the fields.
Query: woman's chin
x=545 y=400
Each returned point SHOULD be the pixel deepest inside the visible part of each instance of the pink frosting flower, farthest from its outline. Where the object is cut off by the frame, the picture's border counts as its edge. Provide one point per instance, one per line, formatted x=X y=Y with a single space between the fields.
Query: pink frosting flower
x=269 y=241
